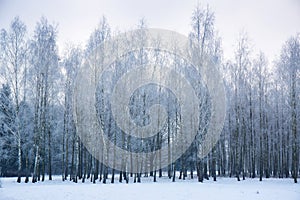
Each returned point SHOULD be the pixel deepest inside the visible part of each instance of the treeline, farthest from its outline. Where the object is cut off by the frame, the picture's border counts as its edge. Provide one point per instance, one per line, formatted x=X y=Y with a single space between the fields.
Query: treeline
x=38 y=136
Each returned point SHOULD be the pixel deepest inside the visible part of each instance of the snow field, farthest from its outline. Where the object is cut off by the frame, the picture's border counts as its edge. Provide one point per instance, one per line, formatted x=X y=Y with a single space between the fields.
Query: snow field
x=164 y=189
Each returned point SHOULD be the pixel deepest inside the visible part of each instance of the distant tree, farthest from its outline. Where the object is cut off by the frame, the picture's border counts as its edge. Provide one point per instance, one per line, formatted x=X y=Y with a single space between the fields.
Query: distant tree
x=7 y=130
x=261 y=73
x=71 y=63
x=241 y=64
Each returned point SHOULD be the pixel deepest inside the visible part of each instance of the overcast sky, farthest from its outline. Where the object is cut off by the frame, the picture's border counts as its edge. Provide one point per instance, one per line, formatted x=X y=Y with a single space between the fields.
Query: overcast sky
x=269 y=23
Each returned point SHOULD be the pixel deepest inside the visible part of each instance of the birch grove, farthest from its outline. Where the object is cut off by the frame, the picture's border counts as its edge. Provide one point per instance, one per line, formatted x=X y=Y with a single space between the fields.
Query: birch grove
x=38 y=137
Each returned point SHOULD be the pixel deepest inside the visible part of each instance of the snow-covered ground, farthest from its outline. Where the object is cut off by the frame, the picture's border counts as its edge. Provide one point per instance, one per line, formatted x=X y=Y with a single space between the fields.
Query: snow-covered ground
x=224 y=188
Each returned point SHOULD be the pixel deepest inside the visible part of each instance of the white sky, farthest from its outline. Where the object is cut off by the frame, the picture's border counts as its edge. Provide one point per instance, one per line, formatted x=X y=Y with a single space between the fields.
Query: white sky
x=269 y=23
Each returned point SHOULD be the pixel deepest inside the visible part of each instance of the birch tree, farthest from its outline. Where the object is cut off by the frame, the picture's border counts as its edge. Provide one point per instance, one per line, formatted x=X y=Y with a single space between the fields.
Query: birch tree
x=289 y=65
x=13 y=45
x=44 y=64
x=203 y=36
